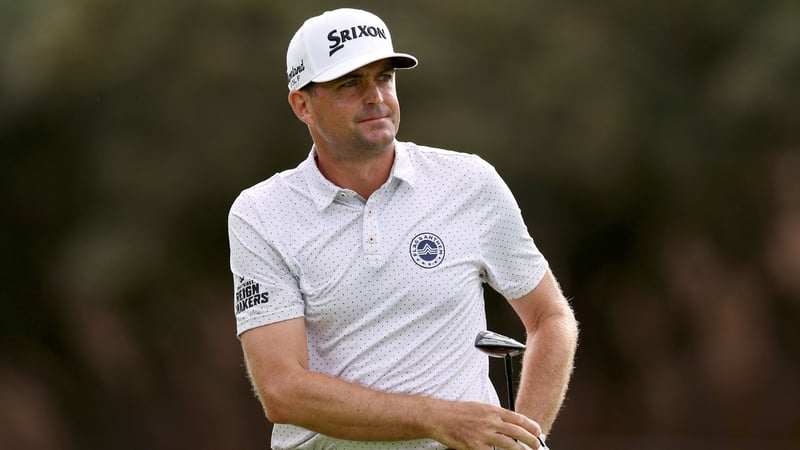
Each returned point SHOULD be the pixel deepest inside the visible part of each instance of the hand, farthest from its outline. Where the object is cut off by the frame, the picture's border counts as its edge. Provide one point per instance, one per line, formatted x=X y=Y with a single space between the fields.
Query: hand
x=471 y=425
x=542 y=445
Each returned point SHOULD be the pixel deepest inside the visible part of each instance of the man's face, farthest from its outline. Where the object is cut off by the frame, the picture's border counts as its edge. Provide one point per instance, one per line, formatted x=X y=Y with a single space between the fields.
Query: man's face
x=357 y=112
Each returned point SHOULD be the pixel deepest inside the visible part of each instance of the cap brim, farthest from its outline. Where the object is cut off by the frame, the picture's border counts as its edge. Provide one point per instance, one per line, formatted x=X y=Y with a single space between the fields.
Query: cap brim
x=399 y=61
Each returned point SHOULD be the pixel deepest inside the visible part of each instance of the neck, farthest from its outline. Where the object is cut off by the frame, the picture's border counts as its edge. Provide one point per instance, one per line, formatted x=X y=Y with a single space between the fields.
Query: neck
x=361 y=175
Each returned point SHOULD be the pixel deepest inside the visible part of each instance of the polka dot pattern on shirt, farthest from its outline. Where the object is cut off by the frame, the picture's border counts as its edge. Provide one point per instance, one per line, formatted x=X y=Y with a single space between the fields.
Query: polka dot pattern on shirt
x=373 y=315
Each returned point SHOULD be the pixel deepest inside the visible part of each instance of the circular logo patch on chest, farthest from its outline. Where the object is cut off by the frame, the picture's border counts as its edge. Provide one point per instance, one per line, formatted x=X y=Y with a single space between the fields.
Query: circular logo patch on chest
x=427 y=250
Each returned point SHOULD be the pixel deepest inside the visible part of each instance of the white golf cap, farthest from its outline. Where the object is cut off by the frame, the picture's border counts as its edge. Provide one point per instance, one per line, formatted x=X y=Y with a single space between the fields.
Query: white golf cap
x=336 y=43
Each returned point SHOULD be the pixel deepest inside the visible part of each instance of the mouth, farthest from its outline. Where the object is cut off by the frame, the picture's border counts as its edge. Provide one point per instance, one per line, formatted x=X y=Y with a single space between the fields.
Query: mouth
x=375 y=115
x=373 y=119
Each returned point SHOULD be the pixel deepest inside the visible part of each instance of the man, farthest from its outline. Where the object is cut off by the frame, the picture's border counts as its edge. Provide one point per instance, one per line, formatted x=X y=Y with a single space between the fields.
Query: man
x=358 y=275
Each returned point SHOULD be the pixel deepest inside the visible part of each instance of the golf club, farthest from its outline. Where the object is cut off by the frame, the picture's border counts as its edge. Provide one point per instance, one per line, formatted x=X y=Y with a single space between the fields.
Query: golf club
x=498 y=346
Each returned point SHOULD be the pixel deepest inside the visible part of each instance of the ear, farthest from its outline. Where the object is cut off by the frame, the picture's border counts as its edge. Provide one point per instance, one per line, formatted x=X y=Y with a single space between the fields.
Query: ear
x=301 y=105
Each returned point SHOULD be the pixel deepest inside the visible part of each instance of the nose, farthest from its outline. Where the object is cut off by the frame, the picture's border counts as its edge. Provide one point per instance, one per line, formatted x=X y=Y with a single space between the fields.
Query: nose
x=373 y=94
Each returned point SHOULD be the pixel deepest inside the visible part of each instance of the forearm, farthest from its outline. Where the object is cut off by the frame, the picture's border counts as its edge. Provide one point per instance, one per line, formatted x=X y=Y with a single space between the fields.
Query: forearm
x=292 y=394
x=345 y=410
x=547 y=367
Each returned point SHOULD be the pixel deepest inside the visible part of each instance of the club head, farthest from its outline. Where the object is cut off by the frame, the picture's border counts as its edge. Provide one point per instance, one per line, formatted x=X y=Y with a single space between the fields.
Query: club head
x=497 y=345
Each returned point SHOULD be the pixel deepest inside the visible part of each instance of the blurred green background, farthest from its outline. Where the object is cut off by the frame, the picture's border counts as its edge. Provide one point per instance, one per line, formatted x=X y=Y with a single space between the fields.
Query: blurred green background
x=654 y=148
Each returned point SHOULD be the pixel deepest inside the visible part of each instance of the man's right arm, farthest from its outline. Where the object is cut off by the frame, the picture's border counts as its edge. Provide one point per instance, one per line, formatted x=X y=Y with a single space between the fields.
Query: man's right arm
x=277 y=361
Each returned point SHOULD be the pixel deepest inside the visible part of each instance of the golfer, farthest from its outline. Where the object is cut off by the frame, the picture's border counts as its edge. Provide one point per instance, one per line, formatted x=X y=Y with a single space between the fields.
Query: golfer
x=359 y=274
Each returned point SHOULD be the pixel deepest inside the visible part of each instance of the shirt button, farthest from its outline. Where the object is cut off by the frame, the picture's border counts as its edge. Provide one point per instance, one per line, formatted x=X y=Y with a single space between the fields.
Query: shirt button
x=371 y=239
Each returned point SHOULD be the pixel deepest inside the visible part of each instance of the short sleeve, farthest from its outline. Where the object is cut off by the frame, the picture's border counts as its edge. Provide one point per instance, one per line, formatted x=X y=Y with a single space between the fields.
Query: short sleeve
x=514 y=265
x=265 y=288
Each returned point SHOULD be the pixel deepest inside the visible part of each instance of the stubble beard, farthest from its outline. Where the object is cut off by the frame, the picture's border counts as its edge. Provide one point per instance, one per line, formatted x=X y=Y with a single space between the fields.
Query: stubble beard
x=361 y=146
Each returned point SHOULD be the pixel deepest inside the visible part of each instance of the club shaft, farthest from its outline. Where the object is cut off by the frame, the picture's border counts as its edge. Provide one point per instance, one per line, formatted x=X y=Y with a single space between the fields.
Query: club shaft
x=509 y=381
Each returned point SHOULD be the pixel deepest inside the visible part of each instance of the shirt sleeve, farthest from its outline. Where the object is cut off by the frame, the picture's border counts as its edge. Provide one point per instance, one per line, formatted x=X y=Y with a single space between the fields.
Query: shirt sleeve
x=265 y=288
x=514 y=266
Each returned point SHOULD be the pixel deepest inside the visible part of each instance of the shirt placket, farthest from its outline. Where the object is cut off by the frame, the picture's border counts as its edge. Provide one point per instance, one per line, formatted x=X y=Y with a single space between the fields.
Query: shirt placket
x=371 y=237
x=373 y=240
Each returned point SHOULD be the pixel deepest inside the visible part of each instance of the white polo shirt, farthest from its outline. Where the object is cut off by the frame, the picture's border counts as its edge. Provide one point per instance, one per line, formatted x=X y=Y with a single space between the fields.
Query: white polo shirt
x=391 y=287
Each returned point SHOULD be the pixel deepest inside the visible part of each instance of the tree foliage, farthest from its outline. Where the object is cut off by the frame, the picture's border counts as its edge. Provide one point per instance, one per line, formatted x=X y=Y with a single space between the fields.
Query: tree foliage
x=653 y=147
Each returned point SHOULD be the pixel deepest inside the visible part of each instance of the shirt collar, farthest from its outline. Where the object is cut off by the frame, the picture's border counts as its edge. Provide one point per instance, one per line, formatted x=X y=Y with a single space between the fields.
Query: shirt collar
x=323 y=192
x=403 y=169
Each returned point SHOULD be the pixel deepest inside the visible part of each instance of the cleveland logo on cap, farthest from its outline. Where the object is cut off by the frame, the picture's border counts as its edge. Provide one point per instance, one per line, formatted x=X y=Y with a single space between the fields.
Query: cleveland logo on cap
x=337 y=38
x=295 y=70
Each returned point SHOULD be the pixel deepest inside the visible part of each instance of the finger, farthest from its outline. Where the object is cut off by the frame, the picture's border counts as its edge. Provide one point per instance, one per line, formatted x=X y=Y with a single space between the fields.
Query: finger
x=539 y=445
x=527 y=423
x=511 y=444
x=523 y=429
x=519 y=435
x=502 y=441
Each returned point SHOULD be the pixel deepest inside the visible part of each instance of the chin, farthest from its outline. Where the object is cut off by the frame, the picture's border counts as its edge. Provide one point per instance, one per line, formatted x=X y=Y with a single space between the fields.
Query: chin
x=379 y=141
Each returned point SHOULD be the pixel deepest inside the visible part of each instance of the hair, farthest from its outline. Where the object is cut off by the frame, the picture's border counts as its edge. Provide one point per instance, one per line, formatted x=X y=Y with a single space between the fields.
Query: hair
x=310 y=88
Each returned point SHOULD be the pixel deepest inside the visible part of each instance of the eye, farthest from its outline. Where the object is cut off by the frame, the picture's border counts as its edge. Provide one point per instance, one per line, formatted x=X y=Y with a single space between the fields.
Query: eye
x=350 y=82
